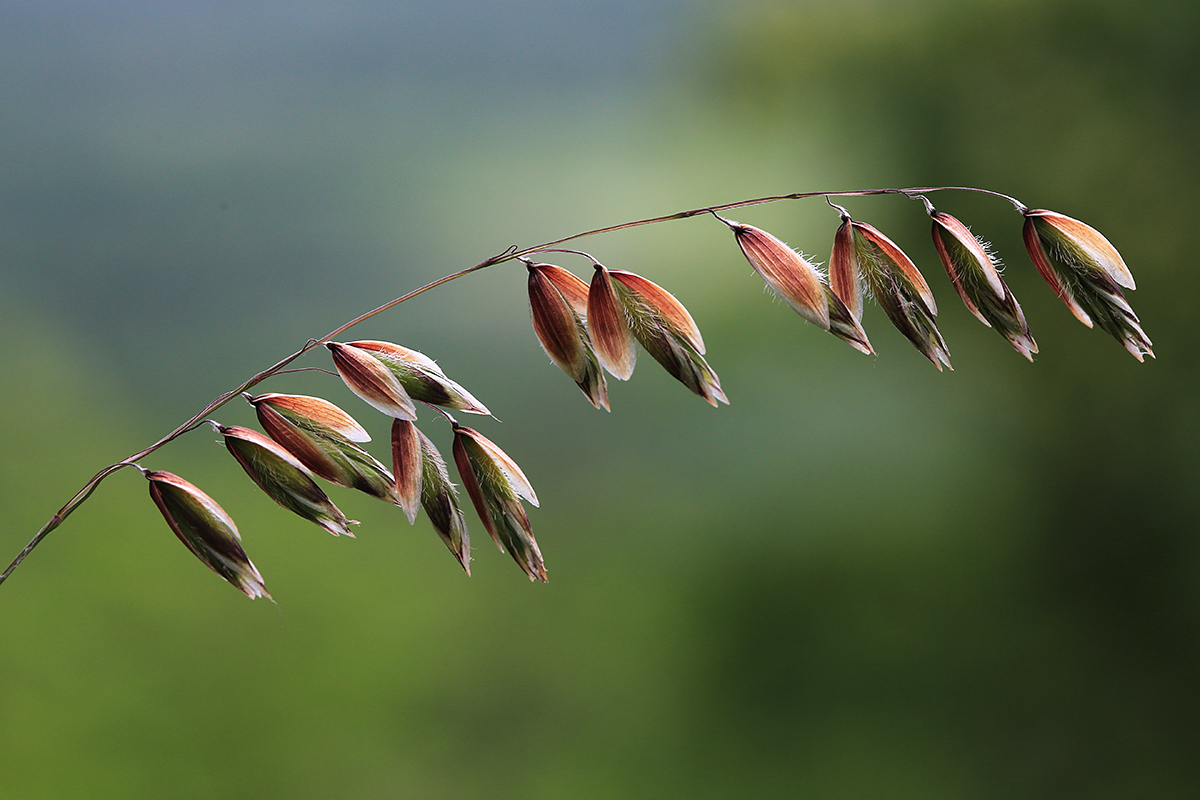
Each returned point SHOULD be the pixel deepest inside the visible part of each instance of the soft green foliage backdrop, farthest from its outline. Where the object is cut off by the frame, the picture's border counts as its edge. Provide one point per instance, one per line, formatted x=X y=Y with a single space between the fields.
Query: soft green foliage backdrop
x=862 y=579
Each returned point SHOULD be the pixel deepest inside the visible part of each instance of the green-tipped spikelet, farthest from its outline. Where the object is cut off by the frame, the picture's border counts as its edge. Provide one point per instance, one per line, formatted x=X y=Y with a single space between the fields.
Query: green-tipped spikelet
x=285 y=480
x=421 y=377
x=495 y=484
x=1087 y=273
x=372 y=381
x=321 y=448
x=422 y=477
x=862 y=253
x=662 y=325
x=558 y=306
x=206 y=530
x=973 y=270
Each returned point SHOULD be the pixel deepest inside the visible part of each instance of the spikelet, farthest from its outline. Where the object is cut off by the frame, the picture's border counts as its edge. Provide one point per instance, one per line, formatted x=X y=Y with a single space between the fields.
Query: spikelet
x=973 y=271
x=495 y=484
x=421 y=476
x=785 y=271
x=206 y=530
x=1086 y=272
x=862 y=253
x=662 y=325
x=284 y=479
x=321 y=447
x=372 y=381
x=421 y=377
x=558 y=306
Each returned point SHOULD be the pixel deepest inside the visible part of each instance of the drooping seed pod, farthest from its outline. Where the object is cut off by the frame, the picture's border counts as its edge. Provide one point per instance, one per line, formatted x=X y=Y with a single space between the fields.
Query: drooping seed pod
x=973 y=270
x=206 y=530
x=558 y=306
x=324 y=451
x=895 y=282
x=421 y=377
x=284 y=479
x=314 y=414
x=785 y=271
x=406 y=464
x=613 y=341
x=372 y=381
x=845 y=278
x=495 y=484
x=1086 y=272
x=421 y=474
x=662 y=325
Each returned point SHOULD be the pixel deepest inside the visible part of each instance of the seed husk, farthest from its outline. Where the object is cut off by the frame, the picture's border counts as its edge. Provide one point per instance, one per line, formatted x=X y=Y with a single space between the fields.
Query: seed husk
x=662 y=325
x=785 y=271
x=558 y=307
x=1087 y=273
x=372 y=381
x=421 y=377
x=284 y=478
x=314 y=414
x=974 y=272
x=206 y=530
x=899 y=288
x=495 y=484
x=609 y=329
x=326 y=453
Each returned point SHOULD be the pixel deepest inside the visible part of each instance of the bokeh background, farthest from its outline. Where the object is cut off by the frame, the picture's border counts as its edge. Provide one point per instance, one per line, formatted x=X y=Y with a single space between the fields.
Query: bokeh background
x=862 y=579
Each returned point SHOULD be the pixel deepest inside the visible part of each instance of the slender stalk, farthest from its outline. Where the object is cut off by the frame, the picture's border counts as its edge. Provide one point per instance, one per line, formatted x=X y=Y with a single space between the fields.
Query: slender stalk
x=510 y=254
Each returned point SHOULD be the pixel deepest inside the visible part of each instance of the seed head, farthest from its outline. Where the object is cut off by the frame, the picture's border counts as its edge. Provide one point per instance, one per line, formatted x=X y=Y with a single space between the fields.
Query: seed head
x=666 y=330
x=421 y=475
x=372 y=381
x=314 y=414
x=323 y=450
x=786 y=272
x=421 y=377
x=1086 y=272
x=285 y=480
x=206 y=530
x=974 y=272
x=558 y=305
x=609 y=328
x=496 y=484
x=895 y=282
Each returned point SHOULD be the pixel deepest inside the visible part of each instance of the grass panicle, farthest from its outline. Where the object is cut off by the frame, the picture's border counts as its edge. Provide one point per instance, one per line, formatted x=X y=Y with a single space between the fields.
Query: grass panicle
x=587 y=328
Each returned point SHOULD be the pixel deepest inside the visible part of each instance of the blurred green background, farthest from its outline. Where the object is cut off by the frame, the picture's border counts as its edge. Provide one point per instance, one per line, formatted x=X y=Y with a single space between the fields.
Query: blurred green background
x=863 y=579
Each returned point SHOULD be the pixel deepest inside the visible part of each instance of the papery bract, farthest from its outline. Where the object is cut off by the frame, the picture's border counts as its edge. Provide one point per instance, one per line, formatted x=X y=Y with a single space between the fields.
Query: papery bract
x=495 y=484
x=896 y=284
x=558 y=306
x=206 y=530
x=325 y=452
x=973 y=272
x=421 y=474
x=666 y=330
x=421 y=377
x=609 y=328
x=284 y=479
x=785 y=271
x=372 y=381
x=1087 y=273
